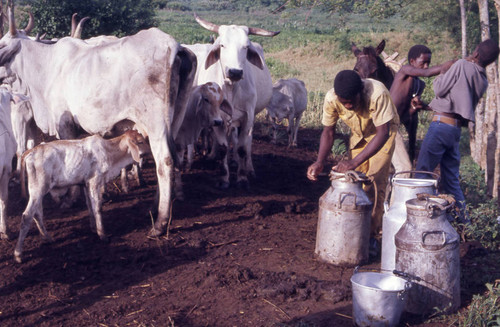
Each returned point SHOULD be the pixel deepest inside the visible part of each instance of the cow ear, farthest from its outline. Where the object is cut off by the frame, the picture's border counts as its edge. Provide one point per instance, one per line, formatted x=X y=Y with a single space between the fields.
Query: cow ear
x=380 y=47
x=134 y=151
x=226 y=107
x=213 y=56
x=355 y=49
x=254 y=58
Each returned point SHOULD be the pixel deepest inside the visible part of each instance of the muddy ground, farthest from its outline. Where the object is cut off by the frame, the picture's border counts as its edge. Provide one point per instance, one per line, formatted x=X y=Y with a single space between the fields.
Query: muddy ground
x=231 y=258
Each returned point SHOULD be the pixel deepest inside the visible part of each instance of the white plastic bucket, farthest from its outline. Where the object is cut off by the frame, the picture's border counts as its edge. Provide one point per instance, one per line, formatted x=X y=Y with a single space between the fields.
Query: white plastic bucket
x=378 y=299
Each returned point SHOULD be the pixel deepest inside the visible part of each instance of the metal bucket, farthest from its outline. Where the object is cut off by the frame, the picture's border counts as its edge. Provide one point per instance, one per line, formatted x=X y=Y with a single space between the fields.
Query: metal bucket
x=378 y=299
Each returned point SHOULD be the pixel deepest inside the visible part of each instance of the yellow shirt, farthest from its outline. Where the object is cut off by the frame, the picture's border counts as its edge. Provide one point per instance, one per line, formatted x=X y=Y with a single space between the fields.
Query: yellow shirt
x=376 y=109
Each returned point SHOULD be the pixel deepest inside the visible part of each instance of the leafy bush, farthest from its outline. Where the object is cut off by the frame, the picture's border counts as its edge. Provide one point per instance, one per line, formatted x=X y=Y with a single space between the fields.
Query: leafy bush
x=109 y=17
x=484 y=310
x=484 y=226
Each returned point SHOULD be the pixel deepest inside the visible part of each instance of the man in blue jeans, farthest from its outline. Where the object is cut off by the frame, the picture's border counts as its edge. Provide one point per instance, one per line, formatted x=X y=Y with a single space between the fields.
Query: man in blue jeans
x=457 y=92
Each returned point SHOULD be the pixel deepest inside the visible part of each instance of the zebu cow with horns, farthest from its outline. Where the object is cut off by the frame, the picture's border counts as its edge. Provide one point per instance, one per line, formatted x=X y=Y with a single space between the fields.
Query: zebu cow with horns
x=145 y=78
x=238 y=66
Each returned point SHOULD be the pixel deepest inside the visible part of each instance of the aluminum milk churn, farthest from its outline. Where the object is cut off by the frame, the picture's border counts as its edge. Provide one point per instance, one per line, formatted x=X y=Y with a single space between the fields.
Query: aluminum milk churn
x=427 y=248
x=402 y=190
x=344 y=220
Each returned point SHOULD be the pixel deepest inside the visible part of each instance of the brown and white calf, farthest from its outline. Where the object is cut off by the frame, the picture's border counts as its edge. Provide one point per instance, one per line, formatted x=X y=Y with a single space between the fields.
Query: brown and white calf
x=289 y=101
x=205 y=108
x=90 y=162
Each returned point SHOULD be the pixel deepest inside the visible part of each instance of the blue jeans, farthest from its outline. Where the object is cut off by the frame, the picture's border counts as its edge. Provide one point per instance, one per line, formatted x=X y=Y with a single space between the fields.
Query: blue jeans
x=441 y=146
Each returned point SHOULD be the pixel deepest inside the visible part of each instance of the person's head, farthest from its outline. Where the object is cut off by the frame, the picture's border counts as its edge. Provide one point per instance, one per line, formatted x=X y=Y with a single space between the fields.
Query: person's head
x=419 y=56
x=486 y=52
x=348 y=86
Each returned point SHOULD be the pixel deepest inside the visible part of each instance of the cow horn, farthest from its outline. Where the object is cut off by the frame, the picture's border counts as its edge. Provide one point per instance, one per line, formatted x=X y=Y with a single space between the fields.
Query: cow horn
x=261 y=32
x=73 y=24
x=31 y=24
x=78 y=30
x=207 y=25
x=12 y=23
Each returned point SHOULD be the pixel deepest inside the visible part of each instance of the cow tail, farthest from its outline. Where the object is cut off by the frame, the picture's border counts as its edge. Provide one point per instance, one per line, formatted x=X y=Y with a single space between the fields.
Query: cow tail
x=181 y=82
x=24 y=192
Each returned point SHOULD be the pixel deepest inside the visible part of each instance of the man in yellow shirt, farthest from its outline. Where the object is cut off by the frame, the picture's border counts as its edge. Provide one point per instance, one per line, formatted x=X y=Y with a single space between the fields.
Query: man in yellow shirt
x=366 y=107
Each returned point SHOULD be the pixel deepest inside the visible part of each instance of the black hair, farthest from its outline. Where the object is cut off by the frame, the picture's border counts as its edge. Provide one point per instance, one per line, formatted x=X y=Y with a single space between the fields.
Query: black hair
x=347 y=84
x=417 y=50
x=488 y=52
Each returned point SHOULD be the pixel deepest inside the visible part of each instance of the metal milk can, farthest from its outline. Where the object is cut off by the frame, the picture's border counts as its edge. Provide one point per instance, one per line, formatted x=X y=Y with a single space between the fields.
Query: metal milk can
x=343 y=230
x=402 y=190
x=427 y=249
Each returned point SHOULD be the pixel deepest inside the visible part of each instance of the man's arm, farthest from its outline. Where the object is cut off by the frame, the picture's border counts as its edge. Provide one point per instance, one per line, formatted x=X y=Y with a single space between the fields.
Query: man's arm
x=381 y=136
x=325 y=146
x=426 y=72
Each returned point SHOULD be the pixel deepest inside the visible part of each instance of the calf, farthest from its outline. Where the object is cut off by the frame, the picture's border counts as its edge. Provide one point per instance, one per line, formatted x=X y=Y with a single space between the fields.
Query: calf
x=289 y=101
x=205 y=108
x=90 y=162
x=7 y=153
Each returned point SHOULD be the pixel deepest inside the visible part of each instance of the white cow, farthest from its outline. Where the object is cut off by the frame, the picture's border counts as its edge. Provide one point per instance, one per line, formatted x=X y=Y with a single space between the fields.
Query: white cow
x=91 y=162
x=205 y=109
x=289 y=101
x=238 y=66
x=145 y=78
x=7 y=153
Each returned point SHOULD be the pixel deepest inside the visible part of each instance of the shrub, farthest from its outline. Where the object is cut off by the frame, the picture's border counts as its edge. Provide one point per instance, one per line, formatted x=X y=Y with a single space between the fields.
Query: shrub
x=484 y=226
x=484 y=310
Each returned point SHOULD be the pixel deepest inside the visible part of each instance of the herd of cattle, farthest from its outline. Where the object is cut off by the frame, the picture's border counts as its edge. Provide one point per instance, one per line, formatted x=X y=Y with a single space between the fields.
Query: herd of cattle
x=144 y=93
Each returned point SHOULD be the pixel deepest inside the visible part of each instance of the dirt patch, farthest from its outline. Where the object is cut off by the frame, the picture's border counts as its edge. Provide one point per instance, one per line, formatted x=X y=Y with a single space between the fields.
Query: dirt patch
x=232 y=257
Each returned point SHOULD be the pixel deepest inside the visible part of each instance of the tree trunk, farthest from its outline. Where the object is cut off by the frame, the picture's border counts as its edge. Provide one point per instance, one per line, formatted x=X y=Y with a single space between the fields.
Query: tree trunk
x=463 y=21
x=496 y=175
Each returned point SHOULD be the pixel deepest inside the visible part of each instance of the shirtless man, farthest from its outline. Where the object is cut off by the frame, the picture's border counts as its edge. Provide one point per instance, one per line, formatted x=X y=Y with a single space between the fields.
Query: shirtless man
x=407 y=89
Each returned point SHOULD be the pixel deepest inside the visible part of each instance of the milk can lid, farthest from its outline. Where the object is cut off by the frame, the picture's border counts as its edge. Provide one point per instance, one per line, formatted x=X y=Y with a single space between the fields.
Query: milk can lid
x=430 y=202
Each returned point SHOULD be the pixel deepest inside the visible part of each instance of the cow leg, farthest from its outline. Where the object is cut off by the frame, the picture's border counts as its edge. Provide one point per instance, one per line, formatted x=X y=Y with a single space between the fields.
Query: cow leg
x=190 y=156
x=88 y=201
x=4 y=189
x=123 y=180
x=38 y=217
x=164 y=172
x=178 y=190
x=296 y=129
x=26 y=220
x=94 y=194
x=275 y=131
x=220 y=136
x=136 y=171
x=245 y=167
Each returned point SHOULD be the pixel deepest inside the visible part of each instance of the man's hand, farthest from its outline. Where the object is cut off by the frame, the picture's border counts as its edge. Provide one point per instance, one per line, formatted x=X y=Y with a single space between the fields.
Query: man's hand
x=344 y=166
x=416 y=104
x=314 y=170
